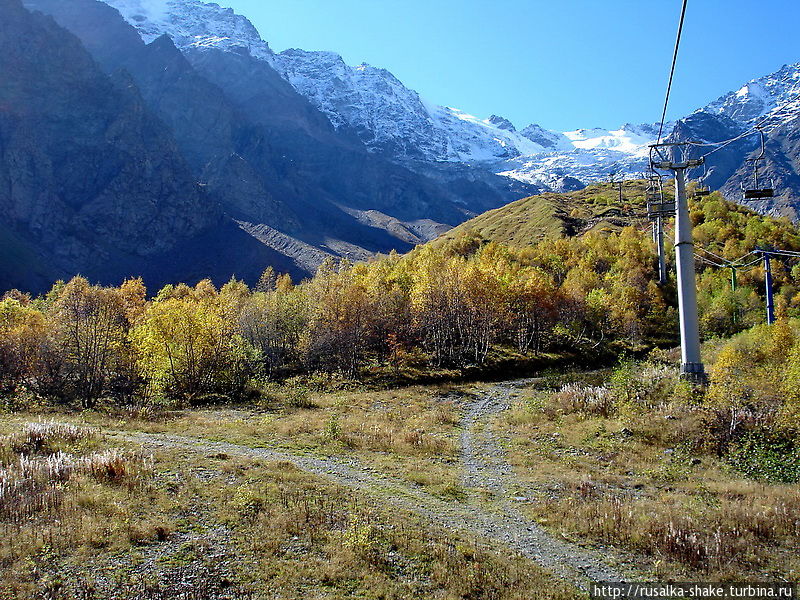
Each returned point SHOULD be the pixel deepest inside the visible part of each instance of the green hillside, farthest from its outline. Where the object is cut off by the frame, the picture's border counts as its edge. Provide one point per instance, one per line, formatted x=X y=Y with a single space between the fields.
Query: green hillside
x=526 y=221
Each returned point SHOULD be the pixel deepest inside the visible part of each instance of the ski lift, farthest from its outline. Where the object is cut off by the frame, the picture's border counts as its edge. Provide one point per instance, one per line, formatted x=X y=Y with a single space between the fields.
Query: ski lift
x=757 y=192
x=702 y=190
x=656 y=205
x=653 y=191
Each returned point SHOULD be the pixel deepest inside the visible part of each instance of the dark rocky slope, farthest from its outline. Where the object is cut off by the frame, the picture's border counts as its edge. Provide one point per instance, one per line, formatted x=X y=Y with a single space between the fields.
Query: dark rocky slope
x=781 y=169
x=272 y=162
x=87 y=174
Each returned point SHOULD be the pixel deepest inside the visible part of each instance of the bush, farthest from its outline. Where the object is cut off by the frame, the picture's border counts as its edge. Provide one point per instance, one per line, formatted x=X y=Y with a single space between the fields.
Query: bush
x=299 y=397
x=333 y=430
x=766 y=457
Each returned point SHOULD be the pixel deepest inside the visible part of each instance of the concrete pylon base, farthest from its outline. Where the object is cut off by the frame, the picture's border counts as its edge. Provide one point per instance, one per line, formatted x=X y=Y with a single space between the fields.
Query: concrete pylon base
x=694 y=373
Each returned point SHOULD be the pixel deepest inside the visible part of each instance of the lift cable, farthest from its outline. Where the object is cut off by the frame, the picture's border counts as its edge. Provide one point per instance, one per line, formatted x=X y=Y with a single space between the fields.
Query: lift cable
x=738 y=260
x=750 y=264
x=717 y=256
x=706 y=261
x=787 y=253
x=672 y=70
x=717 y=146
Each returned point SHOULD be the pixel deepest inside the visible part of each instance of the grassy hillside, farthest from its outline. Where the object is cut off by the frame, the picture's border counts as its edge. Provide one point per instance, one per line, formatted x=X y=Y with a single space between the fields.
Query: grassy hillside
x=526 y=221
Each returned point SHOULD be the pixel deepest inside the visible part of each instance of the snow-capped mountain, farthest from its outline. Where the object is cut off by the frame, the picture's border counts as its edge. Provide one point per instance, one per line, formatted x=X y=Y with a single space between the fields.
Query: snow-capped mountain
x=388 y=117
x=588 y=155
x=395 y=121
x=391 y=118
x=565 y=171
x=774 y=98
x=628 y=139
x=193 y=24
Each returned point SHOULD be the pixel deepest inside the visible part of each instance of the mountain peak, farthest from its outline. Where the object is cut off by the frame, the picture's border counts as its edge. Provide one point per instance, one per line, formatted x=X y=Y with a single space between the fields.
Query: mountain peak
x=550 y=140
x=764 y=98
x=502 y=123
x=163 y=41
x=194 y=24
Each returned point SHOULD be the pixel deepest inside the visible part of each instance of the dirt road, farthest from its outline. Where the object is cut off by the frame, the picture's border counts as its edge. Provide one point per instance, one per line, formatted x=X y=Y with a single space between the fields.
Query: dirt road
x=485 y=468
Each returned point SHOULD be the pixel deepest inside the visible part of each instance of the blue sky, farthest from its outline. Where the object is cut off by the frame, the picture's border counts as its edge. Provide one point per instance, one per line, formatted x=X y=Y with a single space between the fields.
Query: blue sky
x=562 y=63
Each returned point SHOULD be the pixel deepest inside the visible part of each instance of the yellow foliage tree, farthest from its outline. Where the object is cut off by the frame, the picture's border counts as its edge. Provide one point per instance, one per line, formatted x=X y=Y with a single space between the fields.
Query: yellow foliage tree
x=22 y=328
x=89 y=325
x=184 y=348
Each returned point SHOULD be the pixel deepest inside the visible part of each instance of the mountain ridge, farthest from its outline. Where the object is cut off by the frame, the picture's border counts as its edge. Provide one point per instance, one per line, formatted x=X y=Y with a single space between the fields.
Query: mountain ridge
x=289 y=158
x=395 y=121
x=280 y=185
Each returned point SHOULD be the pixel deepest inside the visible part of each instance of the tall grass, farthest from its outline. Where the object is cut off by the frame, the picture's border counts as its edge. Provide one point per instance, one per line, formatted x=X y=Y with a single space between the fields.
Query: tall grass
x=40 y=437
x=587 y=400
x=718 y=539
x=34 y=484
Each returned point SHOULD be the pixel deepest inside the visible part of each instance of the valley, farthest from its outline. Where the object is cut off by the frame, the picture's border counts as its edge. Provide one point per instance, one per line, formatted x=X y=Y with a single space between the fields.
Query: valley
x=371 y=432
x=273 y=326
x=559 y=469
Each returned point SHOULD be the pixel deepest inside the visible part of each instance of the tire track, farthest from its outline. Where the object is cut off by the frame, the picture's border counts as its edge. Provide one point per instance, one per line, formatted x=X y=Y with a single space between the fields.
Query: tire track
x=485 y=467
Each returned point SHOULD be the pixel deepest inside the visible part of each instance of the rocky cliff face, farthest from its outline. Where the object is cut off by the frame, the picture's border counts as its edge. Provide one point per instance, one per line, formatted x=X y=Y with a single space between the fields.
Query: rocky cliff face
x=87 y=173
x=268 y=172
x=365 y=101
x=711 y=128
x=391 y=118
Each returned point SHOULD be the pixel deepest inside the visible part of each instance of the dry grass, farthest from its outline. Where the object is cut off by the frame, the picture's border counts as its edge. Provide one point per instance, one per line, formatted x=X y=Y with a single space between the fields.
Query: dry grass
x=550 y=215
x=233 y=529
x=349 y=545
x=723 y=536
x=35 y=487
x=586 y=400
x=43 y=437
x=639 y=475
x=613 y=463
x=202 y=581
x=411 y=433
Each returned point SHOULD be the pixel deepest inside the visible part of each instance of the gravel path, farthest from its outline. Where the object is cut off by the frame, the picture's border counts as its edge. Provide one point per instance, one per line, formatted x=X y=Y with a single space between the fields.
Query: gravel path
x=485 y=468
